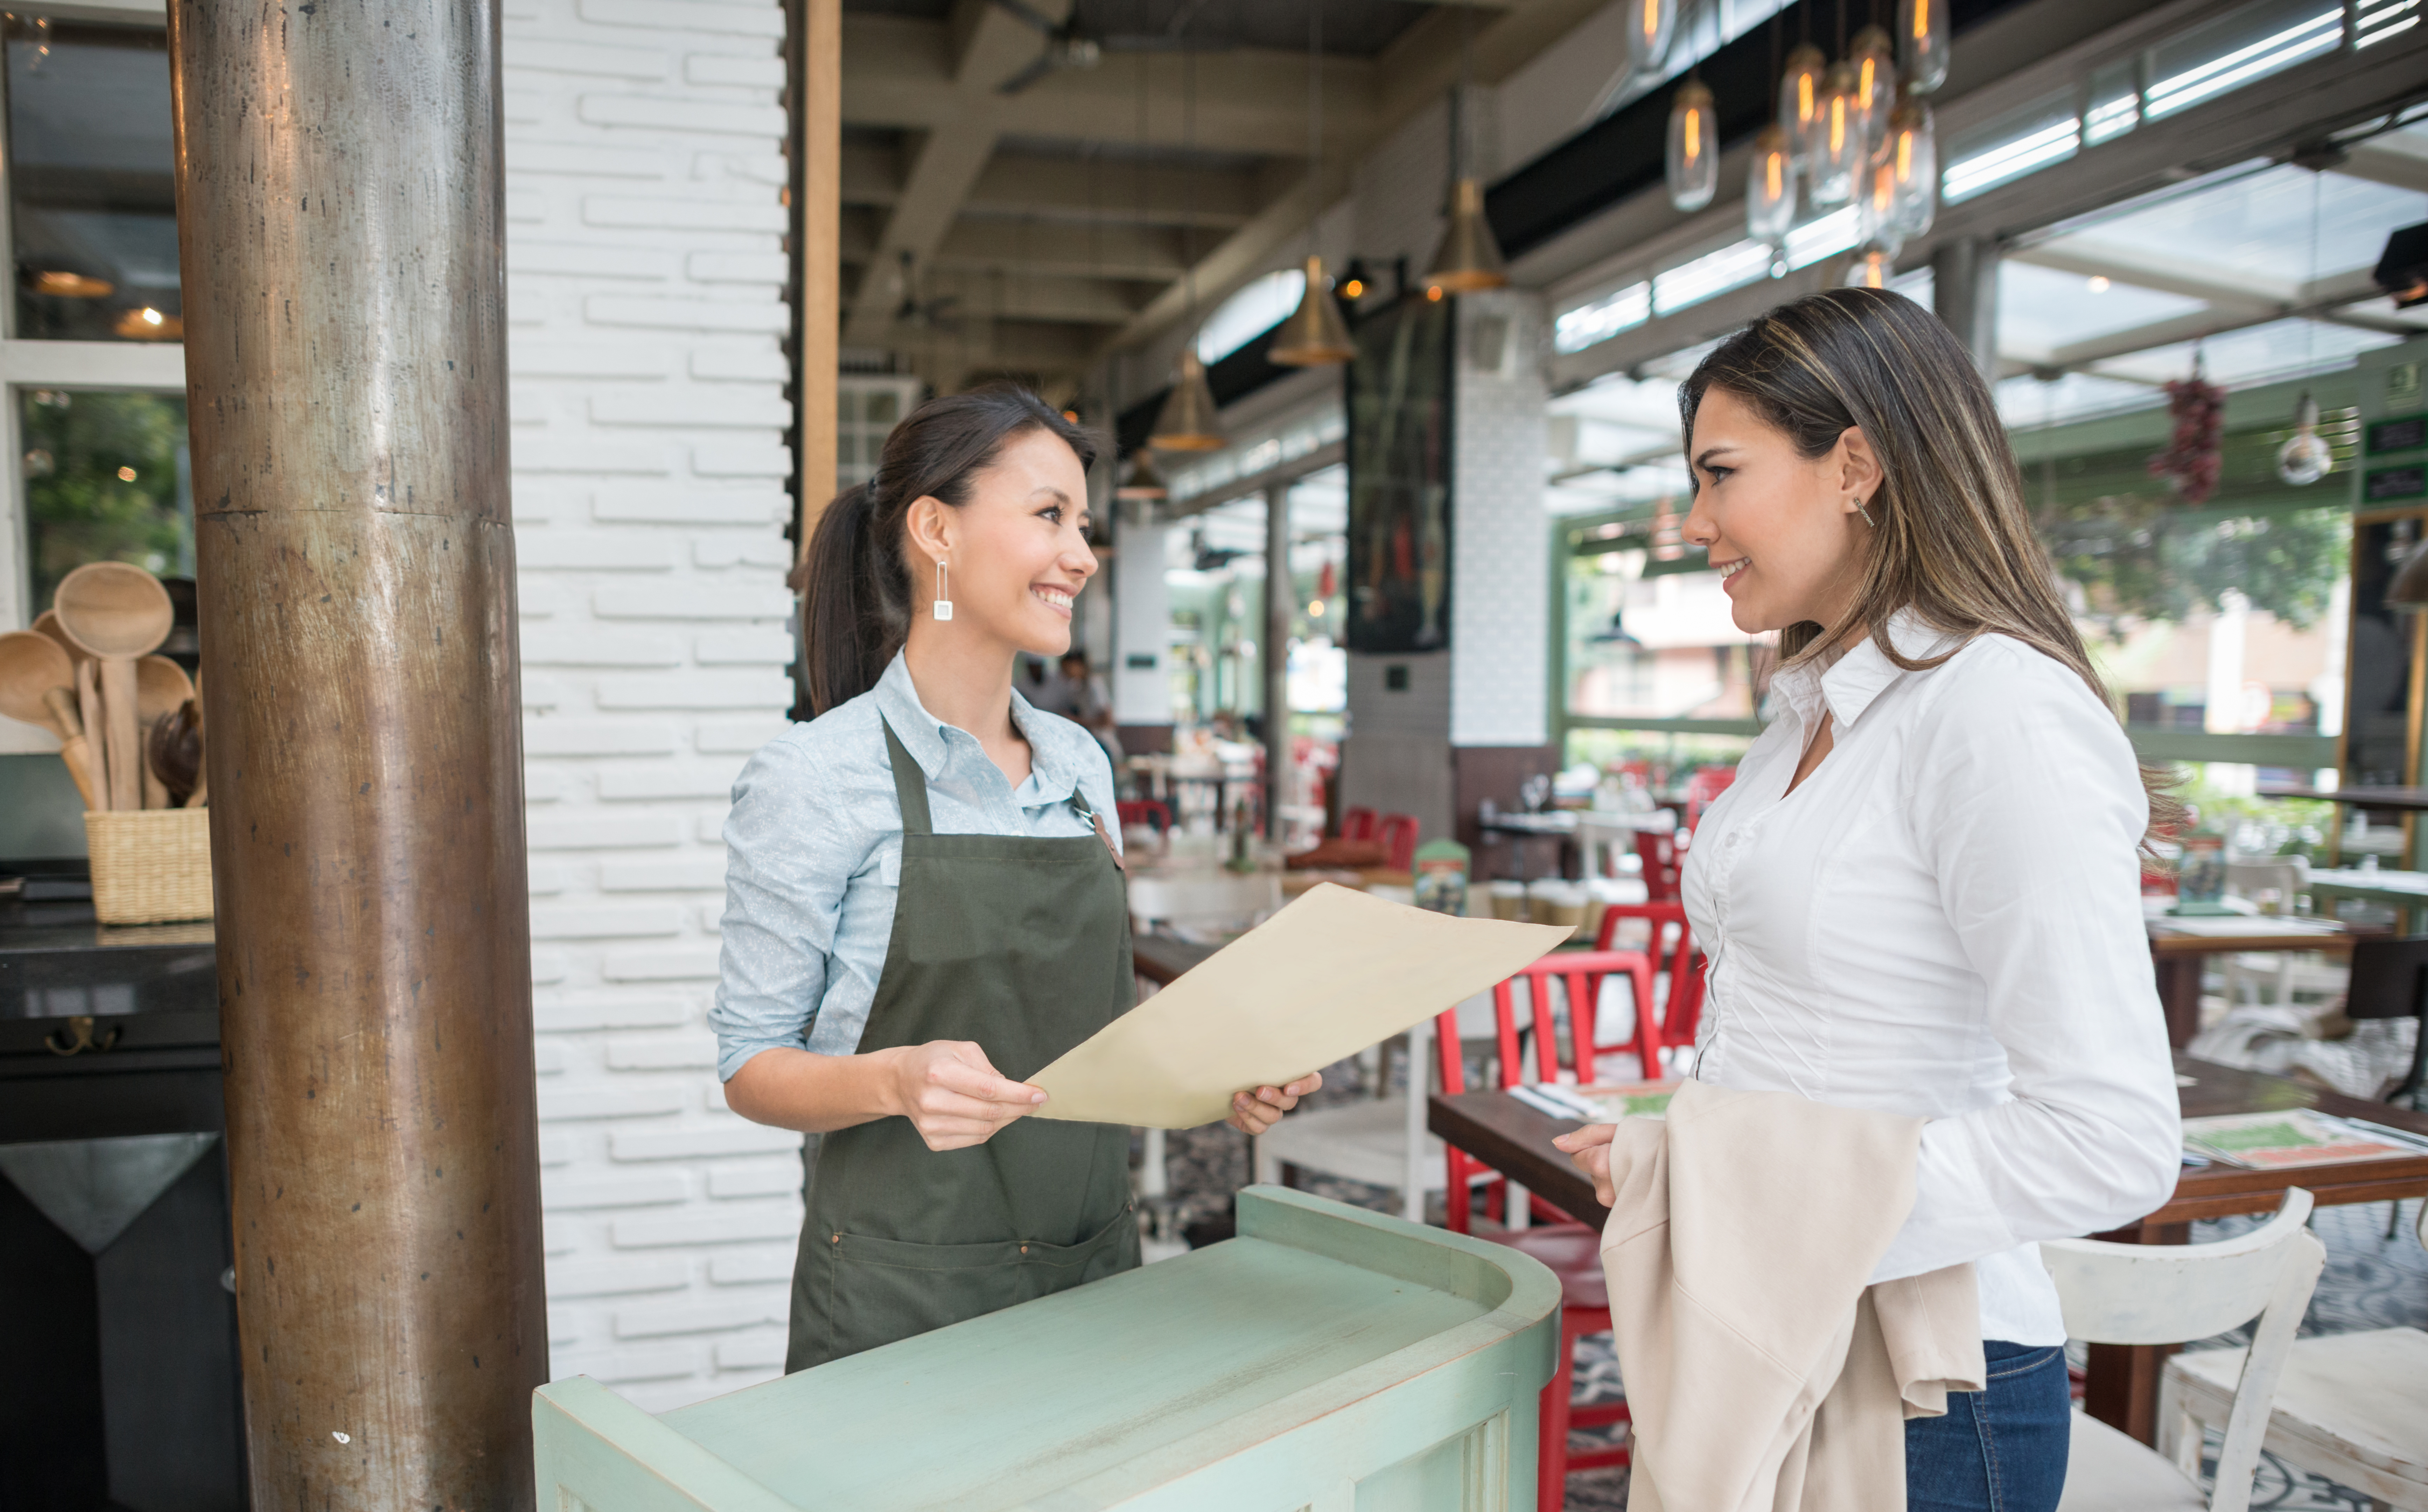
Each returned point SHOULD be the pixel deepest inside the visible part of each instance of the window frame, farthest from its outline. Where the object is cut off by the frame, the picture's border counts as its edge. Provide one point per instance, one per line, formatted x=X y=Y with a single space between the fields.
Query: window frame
x=117 y=367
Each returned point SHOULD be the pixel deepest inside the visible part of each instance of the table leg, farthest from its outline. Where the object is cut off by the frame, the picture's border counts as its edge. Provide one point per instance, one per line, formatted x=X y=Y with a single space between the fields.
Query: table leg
x=2121 y=1381
x=2179 y=984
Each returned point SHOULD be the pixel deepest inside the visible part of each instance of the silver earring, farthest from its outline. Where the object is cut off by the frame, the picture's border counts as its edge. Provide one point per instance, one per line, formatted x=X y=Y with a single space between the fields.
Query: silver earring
x=1861 y=510
x=944 y=604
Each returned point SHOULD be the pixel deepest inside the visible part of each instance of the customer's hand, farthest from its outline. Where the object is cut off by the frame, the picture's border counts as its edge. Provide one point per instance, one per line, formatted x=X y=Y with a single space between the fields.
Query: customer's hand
x=954 y=1096
x=1259 y=1108
x=1589 y=1147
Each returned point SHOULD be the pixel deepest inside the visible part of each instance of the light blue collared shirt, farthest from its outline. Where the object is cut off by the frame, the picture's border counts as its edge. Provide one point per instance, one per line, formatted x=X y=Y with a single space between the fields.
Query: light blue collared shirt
x=813 y=855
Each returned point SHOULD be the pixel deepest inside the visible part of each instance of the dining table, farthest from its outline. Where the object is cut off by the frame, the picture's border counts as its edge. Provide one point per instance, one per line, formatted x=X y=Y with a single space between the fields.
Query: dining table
x=2179 y=946
x=2121 y=1387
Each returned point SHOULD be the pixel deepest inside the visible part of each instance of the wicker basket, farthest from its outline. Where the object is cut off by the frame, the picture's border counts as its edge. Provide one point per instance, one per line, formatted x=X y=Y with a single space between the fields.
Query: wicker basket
x=149 y=866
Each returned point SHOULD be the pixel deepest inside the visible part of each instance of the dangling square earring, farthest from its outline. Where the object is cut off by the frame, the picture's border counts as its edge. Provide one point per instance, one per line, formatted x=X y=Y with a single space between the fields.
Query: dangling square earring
x=943 y=605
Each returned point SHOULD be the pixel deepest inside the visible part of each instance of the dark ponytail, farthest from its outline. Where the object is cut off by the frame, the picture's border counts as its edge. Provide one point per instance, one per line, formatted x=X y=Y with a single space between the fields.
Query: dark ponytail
x=855 y=585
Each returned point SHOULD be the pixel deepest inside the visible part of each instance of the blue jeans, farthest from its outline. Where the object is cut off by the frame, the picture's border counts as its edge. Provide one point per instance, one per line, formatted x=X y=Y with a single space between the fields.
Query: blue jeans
x=2000 y=1450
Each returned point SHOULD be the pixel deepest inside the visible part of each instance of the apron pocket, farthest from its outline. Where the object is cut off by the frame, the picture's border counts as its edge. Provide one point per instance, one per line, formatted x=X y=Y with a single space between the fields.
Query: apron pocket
x=886 y=1290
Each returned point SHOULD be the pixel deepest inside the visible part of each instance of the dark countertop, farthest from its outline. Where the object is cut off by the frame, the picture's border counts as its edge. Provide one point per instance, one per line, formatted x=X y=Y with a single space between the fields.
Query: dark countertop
x=104 y=1031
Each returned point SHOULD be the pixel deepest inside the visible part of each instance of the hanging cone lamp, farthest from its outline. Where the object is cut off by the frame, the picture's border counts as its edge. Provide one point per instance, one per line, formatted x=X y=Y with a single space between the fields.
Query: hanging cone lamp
x=1189 y=422
x=1143 y=483
x=1315 y=335
x=1468 y=258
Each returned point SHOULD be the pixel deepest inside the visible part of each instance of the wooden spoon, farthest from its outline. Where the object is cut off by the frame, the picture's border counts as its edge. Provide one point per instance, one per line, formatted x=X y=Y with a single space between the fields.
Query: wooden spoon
x=32 y=669
x=88 y=693
x=161 y=688
x=47 y=622
x=119 y=613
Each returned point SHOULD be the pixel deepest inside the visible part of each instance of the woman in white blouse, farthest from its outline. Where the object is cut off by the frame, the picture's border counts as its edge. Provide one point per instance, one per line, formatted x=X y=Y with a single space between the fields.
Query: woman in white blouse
x=1922 y=893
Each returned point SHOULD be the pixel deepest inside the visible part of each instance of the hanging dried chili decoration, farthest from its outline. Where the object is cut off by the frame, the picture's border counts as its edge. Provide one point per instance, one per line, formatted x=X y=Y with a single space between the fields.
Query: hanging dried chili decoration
x=2192 y=458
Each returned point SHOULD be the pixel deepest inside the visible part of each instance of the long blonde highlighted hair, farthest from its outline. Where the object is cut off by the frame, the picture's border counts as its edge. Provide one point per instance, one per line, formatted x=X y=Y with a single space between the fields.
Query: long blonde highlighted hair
x=1951 y=539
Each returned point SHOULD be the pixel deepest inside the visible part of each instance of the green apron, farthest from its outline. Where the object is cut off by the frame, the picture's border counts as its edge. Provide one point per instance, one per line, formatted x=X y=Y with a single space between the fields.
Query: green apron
x=1022 y=945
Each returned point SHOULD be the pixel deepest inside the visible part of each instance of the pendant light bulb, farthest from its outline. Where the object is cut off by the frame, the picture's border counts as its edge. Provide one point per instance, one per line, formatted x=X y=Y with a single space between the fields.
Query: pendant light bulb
x=1835 y=145
x=1470 y=258
x=1144 y=481
x=2306 y=457
x=1651 y=25
x=1799 y=95
x=1693 y=158
x=1922 y=43
x=1873 y=59
x=1770 y=187
x=1315 y=335
x=1189 y=422
x=1911 y=151
x=1875 y=207
x=1871 y=268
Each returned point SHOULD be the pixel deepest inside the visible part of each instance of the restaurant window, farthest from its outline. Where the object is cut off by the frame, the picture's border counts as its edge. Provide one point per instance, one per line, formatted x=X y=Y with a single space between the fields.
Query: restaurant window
x=91 y=359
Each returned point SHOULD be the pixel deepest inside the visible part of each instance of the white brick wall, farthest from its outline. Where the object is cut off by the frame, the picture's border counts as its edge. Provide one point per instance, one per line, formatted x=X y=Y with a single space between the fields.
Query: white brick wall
x=644 y=168
x=1501 y=536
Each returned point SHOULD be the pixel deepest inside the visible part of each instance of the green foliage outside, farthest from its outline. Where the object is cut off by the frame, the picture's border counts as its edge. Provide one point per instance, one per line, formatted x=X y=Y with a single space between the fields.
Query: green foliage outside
x=2139 y=556
x=102 y=483
x=2258 y=825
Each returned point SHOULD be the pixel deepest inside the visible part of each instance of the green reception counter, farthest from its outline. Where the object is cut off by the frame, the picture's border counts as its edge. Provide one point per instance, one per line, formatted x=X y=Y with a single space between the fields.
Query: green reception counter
x=1328 y=1359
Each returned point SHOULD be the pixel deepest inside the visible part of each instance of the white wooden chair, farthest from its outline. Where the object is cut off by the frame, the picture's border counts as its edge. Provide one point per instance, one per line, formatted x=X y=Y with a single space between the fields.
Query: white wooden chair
x=2352 y=1407
x=2165 y=1294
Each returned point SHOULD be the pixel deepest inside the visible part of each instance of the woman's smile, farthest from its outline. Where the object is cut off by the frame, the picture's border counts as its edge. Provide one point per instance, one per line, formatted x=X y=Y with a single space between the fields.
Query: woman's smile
x=1058 y=600
x=1728 y=570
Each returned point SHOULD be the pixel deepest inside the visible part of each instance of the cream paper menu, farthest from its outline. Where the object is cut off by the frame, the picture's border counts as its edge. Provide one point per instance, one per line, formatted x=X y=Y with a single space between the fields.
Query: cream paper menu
x=1329 y=975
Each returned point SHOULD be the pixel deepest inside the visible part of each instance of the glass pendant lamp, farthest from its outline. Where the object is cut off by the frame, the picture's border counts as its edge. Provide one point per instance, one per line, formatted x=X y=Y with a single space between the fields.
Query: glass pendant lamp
x=1650 y=24
x=1694 y=158
x=1876 y=205
x=1799 y=95
x=1923 y=43
x=1911 y=151
x=1874 y=61
x=1871 y=266
x=1770 y=188
x=1836 y=144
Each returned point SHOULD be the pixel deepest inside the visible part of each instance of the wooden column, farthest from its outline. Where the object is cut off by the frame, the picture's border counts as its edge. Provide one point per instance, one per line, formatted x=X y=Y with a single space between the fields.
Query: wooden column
x=341 y=235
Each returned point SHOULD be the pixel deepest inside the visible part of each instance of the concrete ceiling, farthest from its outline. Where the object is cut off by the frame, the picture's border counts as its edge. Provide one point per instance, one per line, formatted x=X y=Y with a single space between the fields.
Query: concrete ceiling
x=1027 y=234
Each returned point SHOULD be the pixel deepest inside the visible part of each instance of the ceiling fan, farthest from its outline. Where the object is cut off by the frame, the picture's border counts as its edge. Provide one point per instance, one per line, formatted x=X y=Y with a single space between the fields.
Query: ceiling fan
x=1071 y=46
x=928 y=314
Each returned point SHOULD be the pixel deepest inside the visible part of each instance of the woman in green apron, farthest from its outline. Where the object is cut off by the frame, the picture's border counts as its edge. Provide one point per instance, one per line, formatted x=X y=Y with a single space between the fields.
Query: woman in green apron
x=923 y=897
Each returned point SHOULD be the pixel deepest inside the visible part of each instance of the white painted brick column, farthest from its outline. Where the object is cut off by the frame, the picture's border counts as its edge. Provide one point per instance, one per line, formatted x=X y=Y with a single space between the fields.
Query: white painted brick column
x=644 y=170
x=1499 y=638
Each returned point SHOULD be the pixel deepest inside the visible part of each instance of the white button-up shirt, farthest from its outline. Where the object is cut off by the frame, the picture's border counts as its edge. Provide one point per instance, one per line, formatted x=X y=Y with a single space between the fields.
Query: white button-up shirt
x=1945 y=921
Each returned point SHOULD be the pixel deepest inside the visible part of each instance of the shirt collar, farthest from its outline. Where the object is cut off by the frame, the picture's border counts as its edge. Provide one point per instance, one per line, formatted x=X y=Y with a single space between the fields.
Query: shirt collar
x=929 y=739
x=1850 y=684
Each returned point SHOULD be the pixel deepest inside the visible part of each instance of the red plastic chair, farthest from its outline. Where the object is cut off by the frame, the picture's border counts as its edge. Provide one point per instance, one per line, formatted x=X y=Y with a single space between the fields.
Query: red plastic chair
x=1682 y=1005
x=1398 y=834
x=1664 y=858
x=1571 y=1249
x=1357 y=823
x=1145 y=811
x=1707 y=784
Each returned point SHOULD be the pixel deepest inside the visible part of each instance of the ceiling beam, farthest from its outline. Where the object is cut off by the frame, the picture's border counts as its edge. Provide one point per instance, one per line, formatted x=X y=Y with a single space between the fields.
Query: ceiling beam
x=2091 y=257
x=1036 y=297
x=1248 y=100
x=2341 y=289
x=2389 y=161
x=991 y=43
x=1078 y=189
x=1148 y=254
x=1416 y=70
